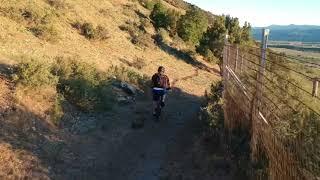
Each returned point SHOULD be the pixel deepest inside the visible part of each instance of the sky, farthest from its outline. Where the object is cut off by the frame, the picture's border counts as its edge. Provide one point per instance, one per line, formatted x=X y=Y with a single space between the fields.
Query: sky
x=261 y=13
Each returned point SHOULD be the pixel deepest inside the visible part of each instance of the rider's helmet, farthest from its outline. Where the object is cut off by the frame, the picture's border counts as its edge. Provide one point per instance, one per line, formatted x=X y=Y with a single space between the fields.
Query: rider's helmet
x=161 y=70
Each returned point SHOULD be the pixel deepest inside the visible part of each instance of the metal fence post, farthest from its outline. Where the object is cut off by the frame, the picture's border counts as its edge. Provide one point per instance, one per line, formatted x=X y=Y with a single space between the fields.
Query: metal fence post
x=241 y=64
x=315 y=87
x=236 y=59
x=264 y=42
x=226 y=51
x=224 y=64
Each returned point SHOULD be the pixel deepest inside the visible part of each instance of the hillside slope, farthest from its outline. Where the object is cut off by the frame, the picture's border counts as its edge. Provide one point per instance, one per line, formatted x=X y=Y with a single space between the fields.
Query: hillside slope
x=18 y=41
x=47 y=30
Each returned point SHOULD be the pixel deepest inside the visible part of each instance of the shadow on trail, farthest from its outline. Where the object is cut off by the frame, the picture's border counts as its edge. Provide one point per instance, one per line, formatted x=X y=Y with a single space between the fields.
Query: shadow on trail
x=26 y=136
x=184 y=56
x=141 y=153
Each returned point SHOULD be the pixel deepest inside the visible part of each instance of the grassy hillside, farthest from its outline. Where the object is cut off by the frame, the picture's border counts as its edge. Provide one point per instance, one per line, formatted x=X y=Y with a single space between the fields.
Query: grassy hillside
x=59 y=57
x=22 y=36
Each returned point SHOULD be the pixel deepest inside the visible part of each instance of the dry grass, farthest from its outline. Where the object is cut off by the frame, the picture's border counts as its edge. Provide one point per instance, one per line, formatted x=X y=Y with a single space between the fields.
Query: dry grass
x=18 y=41
x=40 y=102
x=19 y=164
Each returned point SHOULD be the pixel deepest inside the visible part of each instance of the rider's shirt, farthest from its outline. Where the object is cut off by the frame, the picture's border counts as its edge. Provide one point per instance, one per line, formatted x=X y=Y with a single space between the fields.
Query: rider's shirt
x=160 y=81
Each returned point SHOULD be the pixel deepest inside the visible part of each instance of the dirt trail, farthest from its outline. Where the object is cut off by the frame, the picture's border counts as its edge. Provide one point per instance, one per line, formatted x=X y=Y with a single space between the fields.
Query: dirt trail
x=122 y=153
x=118 y=152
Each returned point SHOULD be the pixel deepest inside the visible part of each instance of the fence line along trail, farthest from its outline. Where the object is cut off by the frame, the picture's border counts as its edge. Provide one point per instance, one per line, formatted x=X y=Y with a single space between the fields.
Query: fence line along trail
x=271 y=96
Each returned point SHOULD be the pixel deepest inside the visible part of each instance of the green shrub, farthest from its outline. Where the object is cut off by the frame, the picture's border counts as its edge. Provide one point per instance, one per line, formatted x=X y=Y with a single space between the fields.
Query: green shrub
x=30 y=16
x=58 y=4
x=87 y=95
x=45 y=32
x=101 y=33
x=192 y=25
x=212 y=114
x=206 y=52
x=149 y=4
x=159 y=16
x=139 y=63
x=210 y=56
x=173 y=18
x=142 y=40
x=90 y=32
x=138 y=36
x=39 y=23
x=125 y=74
x=130 y=27
x=83 y=85
x=34 y=73
x=213 y=39
x=163 y=35
x=145 y=23
x=57 y=110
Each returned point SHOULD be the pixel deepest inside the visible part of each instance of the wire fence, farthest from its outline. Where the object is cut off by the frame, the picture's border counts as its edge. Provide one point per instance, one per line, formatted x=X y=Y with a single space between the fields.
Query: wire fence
x=275 y=96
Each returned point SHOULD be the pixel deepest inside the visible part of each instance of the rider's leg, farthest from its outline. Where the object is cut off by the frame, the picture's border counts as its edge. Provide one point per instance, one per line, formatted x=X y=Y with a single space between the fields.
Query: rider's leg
x=154 y=107
x=164 y=97
x=155 y=102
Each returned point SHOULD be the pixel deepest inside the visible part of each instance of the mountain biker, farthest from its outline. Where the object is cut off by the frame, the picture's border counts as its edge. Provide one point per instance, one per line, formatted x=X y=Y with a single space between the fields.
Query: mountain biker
x=160 y=85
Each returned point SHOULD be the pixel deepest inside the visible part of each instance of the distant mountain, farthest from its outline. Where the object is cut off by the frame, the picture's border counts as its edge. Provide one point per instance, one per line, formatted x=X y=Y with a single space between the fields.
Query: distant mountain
x=303 y=33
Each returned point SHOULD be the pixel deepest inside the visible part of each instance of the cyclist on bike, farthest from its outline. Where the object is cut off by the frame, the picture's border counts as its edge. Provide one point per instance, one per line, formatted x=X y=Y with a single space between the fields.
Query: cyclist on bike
x=160 y=85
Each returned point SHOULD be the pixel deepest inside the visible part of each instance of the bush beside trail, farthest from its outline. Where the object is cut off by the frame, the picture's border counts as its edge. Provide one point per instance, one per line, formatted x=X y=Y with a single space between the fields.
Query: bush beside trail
x=78 y=82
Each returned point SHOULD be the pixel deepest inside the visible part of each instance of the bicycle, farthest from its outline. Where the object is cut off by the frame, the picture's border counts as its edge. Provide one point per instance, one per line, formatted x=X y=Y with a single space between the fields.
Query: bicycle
x=160 y=104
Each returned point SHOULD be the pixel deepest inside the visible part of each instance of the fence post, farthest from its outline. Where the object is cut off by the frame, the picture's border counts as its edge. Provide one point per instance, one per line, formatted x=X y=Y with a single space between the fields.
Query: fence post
x=264 y=46
x=256 y=102
x=225 y=57
x=236 y=59
x=224 y=69
x=315 y=87
x=241 y=63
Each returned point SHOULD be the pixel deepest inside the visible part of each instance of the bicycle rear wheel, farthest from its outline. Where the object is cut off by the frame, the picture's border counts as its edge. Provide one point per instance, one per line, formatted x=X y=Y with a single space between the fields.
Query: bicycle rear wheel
x=158 y=113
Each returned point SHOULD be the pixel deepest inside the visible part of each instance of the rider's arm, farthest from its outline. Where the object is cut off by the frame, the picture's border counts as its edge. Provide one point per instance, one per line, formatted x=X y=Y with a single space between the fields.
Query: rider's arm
x=153 y=79
x=168 y=83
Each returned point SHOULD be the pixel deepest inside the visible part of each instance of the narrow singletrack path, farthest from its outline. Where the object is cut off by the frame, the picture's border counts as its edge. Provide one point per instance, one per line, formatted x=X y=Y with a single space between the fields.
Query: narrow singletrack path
x=143 y=152
x=123 y=153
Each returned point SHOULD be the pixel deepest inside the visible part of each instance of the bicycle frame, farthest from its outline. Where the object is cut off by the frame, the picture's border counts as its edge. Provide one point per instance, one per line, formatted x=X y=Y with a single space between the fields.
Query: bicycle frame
x=158 y=109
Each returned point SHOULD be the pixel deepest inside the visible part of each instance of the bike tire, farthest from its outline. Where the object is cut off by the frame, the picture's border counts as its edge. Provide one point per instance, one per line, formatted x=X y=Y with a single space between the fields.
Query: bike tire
x=158 y=114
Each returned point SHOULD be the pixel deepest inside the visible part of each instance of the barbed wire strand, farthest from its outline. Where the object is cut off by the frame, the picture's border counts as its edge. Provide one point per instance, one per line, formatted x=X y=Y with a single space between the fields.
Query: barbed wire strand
x=292 y=96
x=253 y=85
x=310 y=94
x=299 y=60
x=265 y=103
x=298 y=72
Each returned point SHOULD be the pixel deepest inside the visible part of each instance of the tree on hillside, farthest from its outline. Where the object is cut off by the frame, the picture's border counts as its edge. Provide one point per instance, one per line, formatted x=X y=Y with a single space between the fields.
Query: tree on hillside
x=159 y=16
x=213 y=39
x=234 y=29
x=192 y=25
x=246 y=32
x=173 y=18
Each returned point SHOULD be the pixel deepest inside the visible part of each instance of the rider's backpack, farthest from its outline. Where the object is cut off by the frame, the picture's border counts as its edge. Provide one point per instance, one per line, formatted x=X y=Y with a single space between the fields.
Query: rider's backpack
x=160 y=81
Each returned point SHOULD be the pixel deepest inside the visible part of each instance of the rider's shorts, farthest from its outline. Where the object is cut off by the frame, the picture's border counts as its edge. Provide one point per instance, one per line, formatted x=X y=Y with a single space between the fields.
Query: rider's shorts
x=157 y=93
